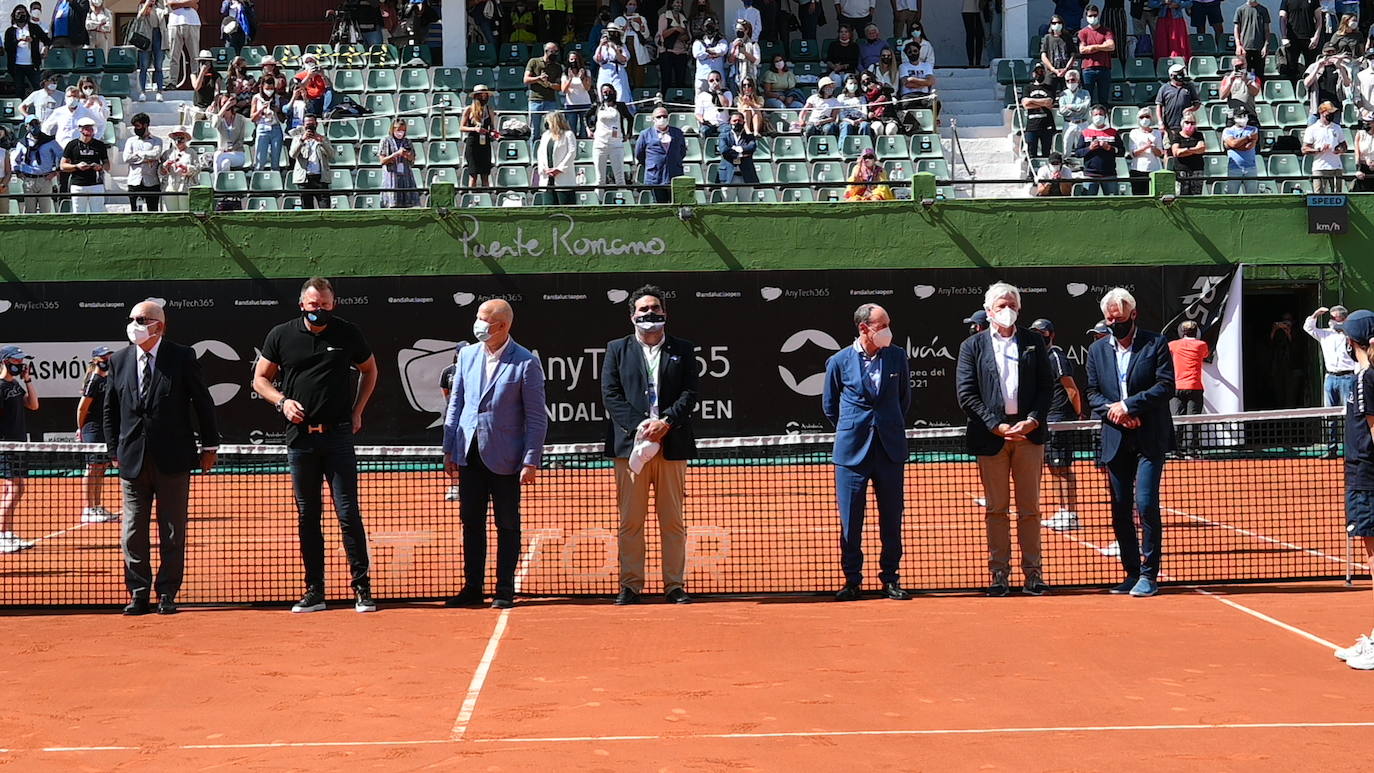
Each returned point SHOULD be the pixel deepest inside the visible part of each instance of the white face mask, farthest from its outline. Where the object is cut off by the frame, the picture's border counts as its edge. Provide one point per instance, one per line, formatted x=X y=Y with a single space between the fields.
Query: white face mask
x=651 y=322
x=1005 y=317
x=1071 y=86
x=268 y=92
x=1093 y=21
x=138 y=334
x=1099 y=120
x=661 y=122
x=1056 y=28
x=1243 y=120
x=73 y=102
x=1056 y=167
x=481 y=330
x=88 y=91
x=882 y=338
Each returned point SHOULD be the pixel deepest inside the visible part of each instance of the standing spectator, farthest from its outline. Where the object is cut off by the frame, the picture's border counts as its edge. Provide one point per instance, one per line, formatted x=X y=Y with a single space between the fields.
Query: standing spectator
x=1187 y=149
x=1066 y=404
x=750 y=105
x=43 y=100
x=36 y=160
x=1171 y=28
x=736 y=150
x=1038 y=102
x=180 y=167
x=610 y=124
x=780 y=86
x=498 y=383
x=638 y=38
x=1114 y=19
x=905 y=15
x=1189 y=352
x=1327 y=81
x=61 y=125
x=555 y=156
x=818 y=114
x=316 y=84
x=371 y=27
x=855 y=14
x=1240 y=86
x=311 y=154
x=577 y=92
x=521 y=24
x=93 y=100
x=183 y=32
x=868 y=180
x=1299 y=37
x=100 y=27
x=977 y=322
x=1130 y=383
x=1240 y=140
x=267 y=113
x=674 y=45
x=975 y=36
x=415 y=18
x=1058 y=53
x=1251 y=28
x=843 y=53
x=1286 y=370
x=1175 y=99
x=649 y=384
x=917 y=84
x=713 y=106
x=659 y=151
x=205 y=85
x=870 y=47
x=17 y=394
x=1325 y=142
x=743 y=56
x=396 y=154
x=1053 y=178
x=36 y=14
x=771 y=18
x=1095 y=48
x=240 y=23
x=701 y=15
x=155 y=388
x=1348 y=40
x=852 y=116
x=240 y=85
x=1359 y=468
x=1339 y=364
x=446 y=389
x=555 y=15
x=1074 y=108
x=25 y=46
x=544 y=79
x=925 y=51
x=1205 y=12
x=231 y=136
x=866 y=398
x=1145 y=145
x=90 y=428
x=143 y=154
x=87 y=159
x=482 y=14
x=1004 y=387
x=1364 y=158
x=1099 y=146
x=478 y=127
x=153 y=14
x=751 y=15
x=612 y=59
x=69 y=24
x=810 y=15
x=313 y=357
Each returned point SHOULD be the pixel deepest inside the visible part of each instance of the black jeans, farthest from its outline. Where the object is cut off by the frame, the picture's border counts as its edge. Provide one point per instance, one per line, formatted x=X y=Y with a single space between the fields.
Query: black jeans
x=26 y=79
x=477 y=486
x=673 y=70
x=310 y=200
x=150 y=203
x=1039 y=142
x=328 y=456
x=1188 y=402
x=973 y=38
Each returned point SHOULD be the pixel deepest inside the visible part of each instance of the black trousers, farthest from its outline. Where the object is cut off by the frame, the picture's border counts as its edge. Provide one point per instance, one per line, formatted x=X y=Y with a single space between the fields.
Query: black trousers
x=478 y=487
x=150 y=203
x=328 y=457
x=171 y=491
x=309 y=198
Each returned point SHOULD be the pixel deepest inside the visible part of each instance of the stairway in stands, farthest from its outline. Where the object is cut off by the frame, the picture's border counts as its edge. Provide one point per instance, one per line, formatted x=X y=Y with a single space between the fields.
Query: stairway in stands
x=971 y=105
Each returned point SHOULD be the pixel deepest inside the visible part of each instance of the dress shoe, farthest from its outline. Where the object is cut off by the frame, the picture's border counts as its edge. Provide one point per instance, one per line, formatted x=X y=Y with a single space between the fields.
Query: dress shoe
x=894 y=591
x=626 y=596
x=167 y=605
x=678 y=596
x=467 y=597
x=850 y=592
x=1125 y=587
x=503 y=602
x=139 y=606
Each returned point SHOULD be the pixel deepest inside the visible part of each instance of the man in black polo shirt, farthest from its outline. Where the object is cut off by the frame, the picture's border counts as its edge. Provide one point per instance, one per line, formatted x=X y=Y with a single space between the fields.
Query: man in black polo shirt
x=313 y=356
x=86 y=159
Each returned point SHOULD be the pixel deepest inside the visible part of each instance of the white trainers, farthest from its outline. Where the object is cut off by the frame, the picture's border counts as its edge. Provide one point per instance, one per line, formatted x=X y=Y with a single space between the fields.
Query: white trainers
x=11 y=543
x=1112 y=551
x=1062 y=520
x=159 y=96
x=1363 y=661
x=981 y=502
x=1362 y=645
x=452 y=495
x=97 y=515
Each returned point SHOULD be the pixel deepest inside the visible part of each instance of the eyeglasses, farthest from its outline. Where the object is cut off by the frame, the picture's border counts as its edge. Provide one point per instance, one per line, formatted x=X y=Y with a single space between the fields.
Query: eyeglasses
x=143 y=320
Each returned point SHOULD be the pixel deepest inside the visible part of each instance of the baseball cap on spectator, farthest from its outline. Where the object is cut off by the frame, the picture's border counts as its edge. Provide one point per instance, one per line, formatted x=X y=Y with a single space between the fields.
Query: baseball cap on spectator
x=1326 y=107
x=12 y=352
x=979 y=318
x=1359 y=326
x=868 y=153
x=85 y=120
x=1100 y=329
x=102 y=351
x=1176 y=69
x=1043 y=325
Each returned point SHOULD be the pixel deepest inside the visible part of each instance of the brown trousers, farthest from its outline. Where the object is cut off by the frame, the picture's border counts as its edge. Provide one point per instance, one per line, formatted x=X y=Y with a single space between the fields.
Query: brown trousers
x=668 y=479
x=1023 y=462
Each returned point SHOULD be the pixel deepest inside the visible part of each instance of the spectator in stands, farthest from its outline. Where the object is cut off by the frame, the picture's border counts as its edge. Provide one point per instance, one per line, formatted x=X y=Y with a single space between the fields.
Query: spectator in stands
x=521 y=23
x=6 y=168
x=1187 y=148
x=1348 y=40
x=1204 y=12
x=62 y=122
x=87 y=159
x=743 y=56
x=183 y=34
x=1189 y=351
x=1325 y=142
x=1114 y=19
x=1143 y=19
x=1327 y=81
x=712 y=106
x=100 y=27
x=818 y=114
x=267 y=114
x=925 y=51
x=1098 y=146
x=35 y=161
x=371 y=25
x=554 y=156
x=577 y=92
x=36 y=13
x=750 y=106
x=736 y=150
x=1053 y=178
x=1299 y=37
x=232 y=131
x=92 y=98
x=810 y=14
x=153 y=15
x=882 y=113
x=886 y=70
x=780 y=85
x=868 y=180
x=610 y=124
x=544 y=79
x=25 y=46
x=180 y=167
x=1240 y=86
x=240 y=24
x=638 y=37
x=316 y=84
x=1057 y=53
x=905 y=15
x=1171 y=29
x=43 y=100
x=613 y=59
x=1066 y=404
x=1074 y=105
x=204 y=84
x=311 y=154
x=414 y=18
x=555 y=15
x=396 y=154
x=870 y=47
x=674 y=45
x=975 y=34
x=1038 y=102
x=1095 y=48
x=660 y=150
x=771 y=19
x=1251 y=28
x=271 y=73
x=750 y=14
x=481 y=13
x=1174 y=99
x=239 y=84
x=17 y=395
x=69 y=24
x=917 y=87
x=478 y=127
x=297 y=108
x=701 y=14
x=1145 y=146
x=852 y=116
x=1240 y=140
x=843 y=54
x=854 y=14
x=143 y=153
x=1364 y=158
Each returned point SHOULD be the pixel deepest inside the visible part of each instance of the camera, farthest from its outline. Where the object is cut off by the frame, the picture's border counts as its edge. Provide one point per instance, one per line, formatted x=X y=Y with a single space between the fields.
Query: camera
x=739 y=33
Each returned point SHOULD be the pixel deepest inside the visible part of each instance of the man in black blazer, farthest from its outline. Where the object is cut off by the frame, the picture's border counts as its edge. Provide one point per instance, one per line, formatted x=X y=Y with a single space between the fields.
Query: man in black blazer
x=153 y=390
x=649 y=386
x=1130 y=384
x=1004 y=386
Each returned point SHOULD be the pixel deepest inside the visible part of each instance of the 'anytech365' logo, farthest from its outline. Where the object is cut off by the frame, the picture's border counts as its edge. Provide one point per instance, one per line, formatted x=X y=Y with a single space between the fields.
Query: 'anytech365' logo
x=814 y=384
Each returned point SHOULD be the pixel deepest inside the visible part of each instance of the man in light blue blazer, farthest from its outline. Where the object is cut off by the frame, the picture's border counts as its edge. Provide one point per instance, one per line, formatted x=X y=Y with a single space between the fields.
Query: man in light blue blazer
x=493 y=441
x=867 y=395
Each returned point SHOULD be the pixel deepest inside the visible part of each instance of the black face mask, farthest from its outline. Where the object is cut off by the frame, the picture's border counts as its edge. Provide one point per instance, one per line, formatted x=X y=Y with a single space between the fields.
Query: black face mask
x=15 y=370
x=318 y=317
x=102 y=366
x=1124 y=329
x=608 y=97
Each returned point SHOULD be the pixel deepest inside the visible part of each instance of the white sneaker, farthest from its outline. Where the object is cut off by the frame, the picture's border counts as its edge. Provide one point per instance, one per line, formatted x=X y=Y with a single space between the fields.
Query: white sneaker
x=1062 y=520
x=1362 y=645
x=11 y=543
x=97 y=515
x=1363 y=661
x=1113 y=550
x=452 y=495
x=159 y=96
x=981 y=502
x=143 y=97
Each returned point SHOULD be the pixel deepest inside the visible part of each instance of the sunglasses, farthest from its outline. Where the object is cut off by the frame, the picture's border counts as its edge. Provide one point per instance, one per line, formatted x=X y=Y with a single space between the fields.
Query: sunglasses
x=143 y=320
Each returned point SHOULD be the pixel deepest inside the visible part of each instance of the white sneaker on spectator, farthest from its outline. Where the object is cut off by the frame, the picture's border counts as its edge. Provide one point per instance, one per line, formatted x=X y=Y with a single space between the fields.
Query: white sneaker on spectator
x=1362 y=645
x=10 y=543
x=1363 y=661
x=158 y=96
x=142 y=97
x=97 y=515
x=452 y=495
x=1062 y=520
x=1113 y=550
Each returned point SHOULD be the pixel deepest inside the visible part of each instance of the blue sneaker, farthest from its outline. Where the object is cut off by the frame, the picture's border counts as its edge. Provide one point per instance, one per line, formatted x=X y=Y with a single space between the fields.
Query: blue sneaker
x=1145 y=587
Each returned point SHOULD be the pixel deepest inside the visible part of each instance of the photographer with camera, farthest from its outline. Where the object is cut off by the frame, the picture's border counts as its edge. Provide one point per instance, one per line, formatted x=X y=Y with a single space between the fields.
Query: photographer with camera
x=673 y=40
x=316 y=84
x=577 y=89
x=311 y=154
x=613 y=58
x=638 y=40
x=743 y=57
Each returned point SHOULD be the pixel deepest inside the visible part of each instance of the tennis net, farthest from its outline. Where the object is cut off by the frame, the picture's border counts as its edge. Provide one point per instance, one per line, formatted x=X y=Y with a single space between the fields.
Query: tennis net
x=1250 y=497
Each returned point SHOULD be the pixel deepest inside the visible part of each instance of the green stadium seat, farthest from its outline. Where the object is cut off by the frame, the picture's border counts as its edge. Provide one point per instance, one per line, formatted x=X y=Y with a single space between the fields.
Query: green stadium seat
x=367 y=155
x=262 y=204
x=789 y=148
x=925 y=119
x=899 y=170
x=413 y=103
x=416 y=53
x=122 y=59
x=1140 y=68
x=345 y=154
x=350 y=81
x=253 y=55
x=1349 y=114
x=1289 y=114
x=512 y=177
x=829 y=194
x=288 y=56
x=383 y=55
x=231 y=182
x=926 y=146
x=90 y=60
x=511 y=102
x=823 y=147
x=265 y=182
x=643 y=120
x=618 y=198
x=1210 y=91
x=321 y=50
x=935 y=166
x=512 y=152
x=369 y=180
x=1204 y=45
x=763 y=196
x=442 y=175
x=514 y=53
x=1266 y=115
x=203 y=131
x=381 y=103
x=679 y=96
x=793 y=172
x=1163 y=64
x=484 y=55
x=485 y=76
x=347 y=130
x=445 y=127
x=1214 y=165
x=450 y=153
x=1279 y=91
x=765 y=170
x=1202 y=67
x=1271 y=65
x=446 y=102
x=340 y=179
x=803 y=50
x=341 y=201
x=374 y=128
x=510 y=78
x=1123 y=117
x=828 y=172
x=783 y=121
x=584 y=153
x=694 y=149
x=60 y=60
x=475 y=200
x=350 y=55
x=222 y=56
x=1144 y=93
x=414 y=79
x=1120 y=93
x=1211 y=140
x=9 y=110
x=367 y=201
x=809 y=70
x=1118 y=71
x=381 y=79
x=798 y=194
x=448 y=79
x=684 y=121
x=1285 y=165
x=1012 y=71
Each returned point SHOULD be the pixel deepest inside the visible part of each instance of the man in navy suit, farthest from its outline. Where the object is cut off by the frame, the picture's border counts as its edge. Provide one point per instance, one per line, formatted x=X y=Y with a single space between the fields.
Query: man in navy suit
x=660 y=150
x=493 y=442
x=154 y=389
x=1004 y=386
x=1130 y=384
x=867 y=394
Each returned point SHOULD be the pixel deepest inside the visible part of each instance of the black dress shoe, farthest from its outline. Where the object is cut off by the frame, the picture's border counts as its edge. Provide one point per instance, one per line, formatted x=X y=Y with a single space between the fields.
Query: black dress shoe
x=167 y=605
x=137 y=607
x=678 y=596
x=847 y=593
x=467 y=597
x=626 y=596
x=894 y=591
x=502 y=602
x=999 y=586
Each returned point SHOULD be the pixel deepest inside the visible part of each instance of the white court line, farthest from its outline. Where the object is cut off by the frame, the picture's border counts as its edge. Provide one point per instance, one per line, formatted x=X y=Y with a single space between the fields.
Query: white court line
x=64 y=531
x=1266 y=618
x=1263 y=538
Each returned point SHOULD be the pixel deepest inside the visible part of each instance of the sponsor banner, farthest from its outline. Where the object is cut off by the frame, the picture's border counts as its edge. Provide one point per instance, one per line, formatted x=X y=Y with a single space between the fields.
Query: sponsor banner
x=762 y=338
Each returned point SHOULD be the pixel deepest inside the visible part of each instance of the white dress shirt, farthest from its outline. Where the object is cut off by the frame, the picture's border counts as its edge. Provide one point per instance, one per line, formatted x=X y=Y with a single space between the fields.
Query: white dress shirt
x=1335 y=352
x=493 y=359
x=871 y=365
x=1123 y=366
x=651 y=354
x=1008 y=358
x=144 y=355
x=144 y=156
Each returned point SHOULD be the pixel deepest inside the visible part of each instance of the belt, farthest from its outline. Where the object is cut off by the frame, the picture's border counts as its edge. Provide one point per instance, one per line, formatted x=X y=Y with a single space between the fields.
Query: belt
x=1340 y=373
x=314 y=428
x=32 y=176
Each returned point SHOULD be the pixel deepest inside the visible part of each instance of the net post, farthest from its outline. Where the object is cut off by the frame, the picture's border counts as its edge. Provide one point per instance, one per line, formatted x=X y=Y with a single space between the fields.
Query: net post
x=684 y=190
x=441 y=195
x=923 y=186
x=1163 y=183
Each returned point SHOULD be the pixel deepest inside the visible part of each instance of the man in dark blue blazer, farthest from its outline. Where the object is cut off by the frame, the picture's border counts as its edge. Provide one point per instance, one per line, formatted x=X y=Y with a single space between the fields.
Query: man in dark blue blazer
x=1130 y=384
x=660 y=149
x=867 y=394
x=736 y=150
x=1004 y=386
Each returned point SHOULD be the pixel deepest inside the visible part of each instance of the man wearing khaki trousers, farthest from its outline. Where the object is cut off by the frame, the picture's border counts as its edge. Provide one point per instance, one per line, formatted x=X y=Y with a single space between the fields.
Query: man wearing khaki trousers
x=183 y=39
x=1004 y=386
x=649 y=385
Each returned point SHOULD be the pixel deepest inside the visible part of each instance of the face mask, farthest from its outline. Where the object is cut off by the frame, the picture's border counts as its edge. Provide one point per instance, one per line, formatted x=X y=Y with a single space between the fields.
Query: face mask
x=141 y=131
x=21 y=19
x=915 y=34
x=661 y=122
x=1056 y=28
x=102 y=366
x=399 y=134
x=1006 y=317
x=311 y=66
x=886 y=57
x=630 y=10
x=1099 y=121
x=88 y=91
x=738 y=127
x=15 y=370
x=1188 y=130
x=882 y=338
x=1243 y=120
x=1326 y=117
x=1176 y=77
x=1071 y=85
x=1056 y=167
x=1146 y=123
x=318 y=317
x=851 y=87
x=827 y=91
x=1122 y=330
x=72 y=102
x=138 y=334
x=268 y=92
x=651 y=322
x=779 y=66
x=481 y=330
x=1093 y=21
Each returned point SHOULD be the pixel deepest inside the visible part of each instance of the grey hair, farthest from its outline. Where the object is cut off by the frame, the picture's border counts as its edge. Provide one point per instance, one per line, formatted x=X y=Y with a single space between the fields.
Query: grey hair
x=864 y=313
x=999 y=290
x=1120 y=296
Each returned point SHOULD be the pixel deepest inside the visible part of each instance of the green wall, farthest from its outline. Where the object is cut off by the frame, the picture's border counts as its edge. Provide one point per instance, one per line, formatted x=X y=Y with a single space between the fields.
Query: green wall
x=960 y=233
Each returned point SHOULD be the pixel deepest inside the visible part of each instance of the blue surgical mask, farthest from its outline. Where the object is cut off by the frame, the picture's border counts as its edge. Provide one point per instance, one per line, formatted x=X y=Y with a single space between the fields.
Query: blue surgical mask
x=481 y=330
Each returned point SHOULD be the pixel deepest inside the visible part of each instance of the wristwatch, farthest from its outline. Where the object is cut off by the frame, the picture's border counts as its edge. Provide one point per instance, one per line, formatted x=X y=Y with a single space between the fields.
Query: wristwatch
x=280 y=403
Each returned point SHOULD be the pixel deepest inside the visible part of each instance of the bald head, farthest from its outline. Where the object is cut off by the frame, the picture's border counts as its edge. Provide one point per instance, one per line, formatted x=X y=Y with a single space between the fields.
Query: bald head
x=495 y=316
x=496 y=308
x=149 y=309
x=147 y=324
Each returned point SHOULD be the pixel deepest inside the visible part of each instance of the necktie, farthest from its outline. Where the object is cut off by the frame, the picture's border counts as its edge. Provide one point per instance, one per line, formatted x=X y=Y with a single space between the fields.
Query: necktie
x=147 y=377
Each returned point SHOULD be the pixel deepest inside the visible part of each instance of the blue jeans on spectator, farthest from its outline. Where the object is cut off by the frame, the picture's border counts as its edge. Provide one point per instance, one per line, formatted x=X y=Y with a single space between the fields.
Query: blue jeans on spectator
x=1039 y=142
x=1091 y=187
x=575 y=115
x=1236 y=185
x=373 y=38
x=1134 y=481
x=151 y=58
x=328 y=457
x=267 y=148
x=851 y=130
x=1336 y=390
x=1098 y=83
x=538 y=109
x=705 y=130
